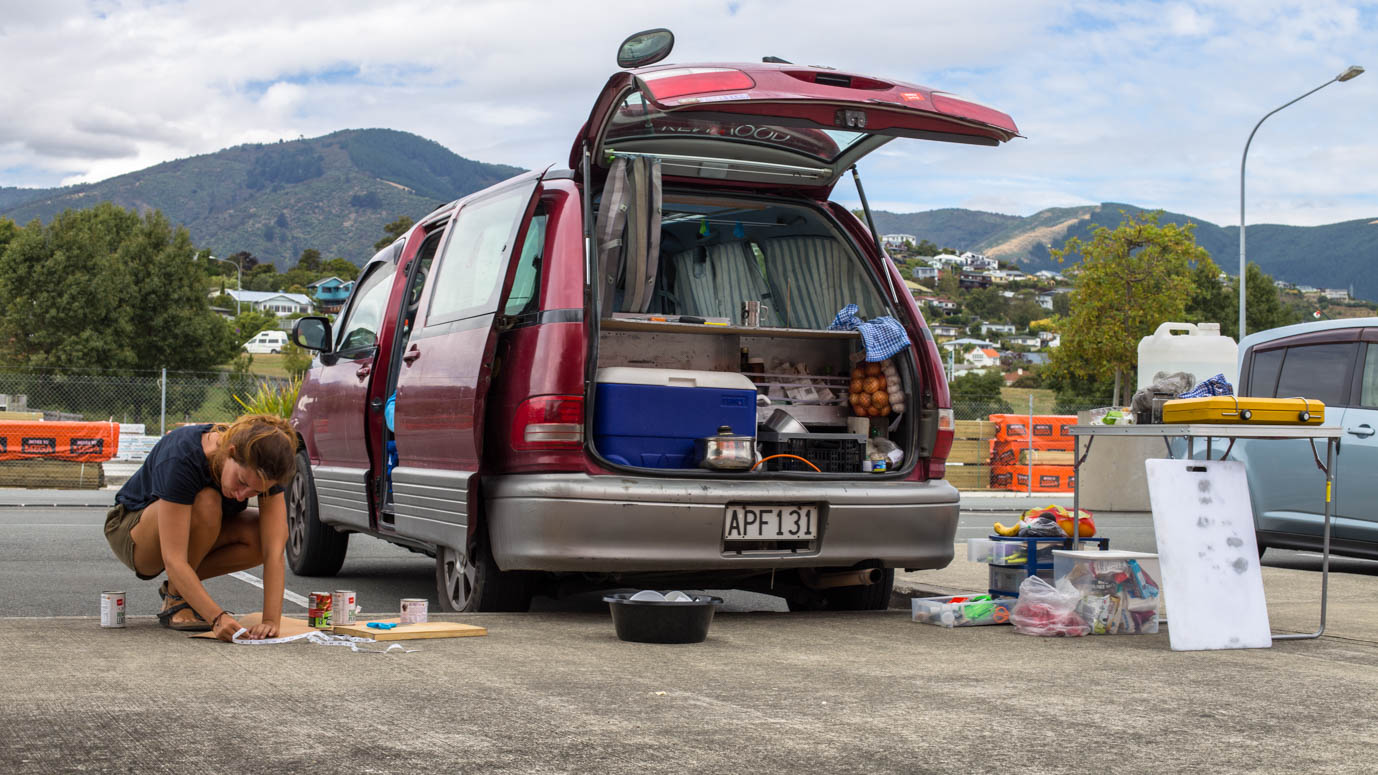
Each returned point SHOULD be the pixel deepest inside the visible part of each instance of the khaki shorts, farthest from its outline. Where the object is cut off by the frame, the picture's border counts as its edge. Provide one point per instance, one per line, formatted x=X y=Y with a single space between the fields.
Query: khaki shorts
x=119 y=521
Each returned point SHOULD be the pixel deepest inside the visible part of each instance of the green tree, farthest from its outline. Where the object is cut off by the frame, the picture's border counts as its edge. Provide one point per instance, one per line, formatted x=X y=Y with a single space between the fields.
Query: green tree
x=263 y=277
x=341 y=268
x=106 y=288
x=987 y=304
x=248 y=323
x=1131 y=279
x=977 y=396
x=1210 y=301
x=948 y=285
x=1025 y=311
x=1264 y=307
x=310 y=260
x=1062 y=304
x=394 y=230
x=296 y=361
x=926 y=248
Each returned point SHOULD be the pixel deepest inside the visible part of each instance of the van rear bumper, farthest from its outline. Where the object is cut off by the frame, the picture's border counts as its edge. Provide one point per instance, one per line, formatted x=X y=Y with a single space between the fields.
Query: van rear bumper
x=577 y=522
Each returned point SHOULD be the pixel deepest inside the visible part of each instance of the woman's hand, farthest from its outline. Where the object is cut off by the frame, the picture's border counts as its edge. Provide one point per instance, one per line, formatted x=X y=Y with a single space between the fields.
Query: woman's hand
x=262 y=630
x=226 y=627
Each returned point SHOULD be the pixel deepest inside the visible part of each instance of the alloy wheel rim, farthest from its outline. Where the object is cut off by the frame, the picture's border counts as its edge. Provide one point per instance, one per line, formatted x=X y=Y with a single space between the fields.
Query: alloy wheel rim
x=296 y=516
x=461 y=578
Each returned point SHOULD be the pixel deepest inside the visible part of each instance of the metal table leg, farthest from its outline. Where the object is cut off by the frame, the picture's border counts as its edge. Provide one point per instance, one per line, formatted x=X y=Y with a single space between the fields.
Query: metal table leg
x=1325 y=542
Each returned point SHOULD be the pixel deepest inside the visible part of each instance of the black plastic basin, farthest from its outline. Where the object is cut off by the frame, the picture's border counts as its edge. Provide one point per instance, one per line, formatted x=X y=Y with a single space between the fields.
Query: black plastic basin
x=656 y=621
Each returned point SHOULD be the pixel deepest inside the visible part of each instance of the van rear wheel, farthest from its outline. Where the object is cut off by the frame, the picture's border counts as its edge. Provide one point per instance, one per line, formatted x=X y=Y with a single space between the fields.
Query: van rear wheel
x=471 y=581
x=313 y=548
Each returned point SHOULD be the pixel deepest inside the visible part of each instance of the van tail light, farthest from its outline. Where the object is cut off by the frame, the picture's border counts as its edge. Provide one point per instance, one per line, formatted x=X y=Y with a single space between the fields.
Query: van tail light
x=666 y=84
x=947 y=428
x=549 y=422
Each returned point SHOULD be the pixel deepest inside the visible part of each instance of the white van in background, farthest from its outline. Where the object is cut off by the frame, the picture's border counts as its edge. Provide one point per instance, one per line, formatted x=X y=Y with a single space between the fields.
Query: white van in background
x=267 y=342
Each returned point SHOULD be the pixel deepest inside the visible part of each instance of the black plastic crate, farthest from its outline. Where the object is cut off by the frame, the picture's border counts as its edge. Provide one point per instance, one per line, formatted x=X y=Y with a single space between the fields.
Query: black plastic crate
x=832 y=452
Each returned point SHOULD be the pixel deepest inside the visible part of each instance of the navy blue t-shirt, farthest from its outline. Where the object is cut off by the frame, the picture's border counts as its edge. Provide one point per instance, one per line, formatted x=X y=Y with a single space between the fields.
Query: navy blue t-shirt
x=175 y=470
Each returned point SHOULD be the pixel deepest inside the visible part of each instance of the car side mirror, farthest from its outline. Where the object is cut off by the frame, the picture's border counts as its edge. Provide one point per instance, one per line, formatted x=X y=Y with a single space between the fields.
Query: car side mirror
x=312 y=333
x=645 y=48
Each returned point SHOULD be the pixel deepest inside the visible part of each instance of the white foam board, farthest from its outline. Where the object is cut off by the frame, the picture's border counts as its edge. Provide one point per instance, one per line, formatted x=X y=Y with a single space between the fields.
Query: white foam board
x=1208 y=554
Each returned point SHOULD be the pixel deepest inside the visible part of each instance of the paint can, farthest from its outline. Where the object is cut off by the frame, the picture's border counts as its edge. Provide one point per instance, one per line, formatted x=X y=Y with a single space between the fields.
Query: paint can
x=344 y=607
x=413 y=610
x=112 y=609
x=318 y=610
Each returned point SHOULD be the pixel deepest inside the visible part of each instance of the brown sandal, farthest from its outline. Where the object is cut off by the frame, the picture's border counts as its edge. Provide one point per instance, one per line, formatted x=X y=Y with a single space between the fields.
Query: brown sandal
x=178 y=604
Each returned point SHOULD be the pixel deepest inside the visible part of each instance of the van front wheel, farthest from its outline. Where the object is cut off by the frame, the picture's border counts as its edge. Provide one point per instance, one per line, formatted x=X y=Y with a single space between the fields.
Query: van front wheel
x=313 y=548
x=471 y=581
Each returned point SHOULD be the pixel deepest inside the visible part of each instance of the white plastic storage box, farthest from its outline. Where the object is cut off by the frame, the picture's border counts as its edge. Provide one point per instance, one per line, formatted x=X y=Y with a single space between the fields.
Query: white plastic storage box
x=962 y=610
x=1121 y=592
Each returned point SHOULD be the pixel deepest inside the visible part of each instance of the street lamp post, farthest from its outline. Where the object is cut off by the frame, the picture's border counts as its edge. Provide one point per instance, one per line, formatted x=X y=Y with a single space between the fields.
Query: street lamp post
x=1353 y=71
x=239 y=281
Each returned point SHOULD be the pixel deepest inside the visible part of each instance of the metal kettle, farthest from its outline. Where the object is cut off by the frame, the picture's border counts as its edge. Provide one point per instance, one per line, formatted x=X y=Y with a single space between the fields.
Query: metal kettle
x=726 y=451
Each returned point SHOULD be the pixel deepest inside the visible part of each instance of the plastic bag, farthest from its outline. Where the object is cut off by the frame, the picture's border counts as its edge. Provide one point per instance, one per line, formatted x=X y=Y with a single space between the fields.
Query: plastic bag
x=1046 y=610
x=1044 y=525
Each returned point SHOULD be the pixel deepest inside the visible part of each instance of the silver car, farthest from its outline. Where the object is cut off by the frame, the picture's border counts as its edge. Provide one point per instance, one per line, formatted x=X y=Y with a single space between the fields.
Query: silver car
x=1335 y=361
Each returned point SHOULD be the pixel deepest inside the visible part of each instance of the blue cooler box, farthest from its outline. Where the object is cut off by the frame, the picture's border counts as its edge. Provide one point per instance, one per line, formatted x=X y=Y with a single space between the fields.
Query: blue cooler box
x=651 y=417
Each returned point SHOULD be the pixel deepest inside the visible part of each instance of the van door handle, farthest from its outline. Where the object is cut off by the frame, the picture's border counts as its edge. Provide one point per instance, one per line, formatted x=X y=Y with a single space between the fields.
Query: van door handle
x=1362 y=431
x=411 y=355
x=364 y=371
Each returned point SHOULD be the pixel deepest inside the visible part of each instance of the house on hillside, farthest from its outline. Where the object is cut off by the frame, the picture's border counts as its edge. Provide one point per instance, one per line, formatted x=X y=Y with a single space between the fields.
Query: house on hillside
x=1003 y=276
x=1049 y=276
x=946 y=305
x=1024 y=340
x=967 y=342
x=1045 y=299
x=980 y=262
x=1335 y=294
x=898 y=240
x=279 y=303
x=943 y=329
x=947 y=259
x=973 y=280
x=997 y=328
x=922 y=273
x=983 y=357
x=330 y=294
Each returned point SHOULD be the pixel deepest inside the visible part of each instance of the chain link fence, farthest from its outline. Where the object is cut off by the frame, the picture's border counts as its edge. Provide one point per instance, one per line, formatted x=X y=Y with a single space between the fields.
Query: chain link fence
x=133 y=410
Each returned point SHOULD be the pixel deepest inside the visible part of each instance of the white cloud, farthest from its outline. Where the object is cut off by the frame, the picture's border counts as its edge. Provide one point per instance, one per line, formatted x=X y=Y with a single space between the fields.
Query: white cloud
x=1148 y=103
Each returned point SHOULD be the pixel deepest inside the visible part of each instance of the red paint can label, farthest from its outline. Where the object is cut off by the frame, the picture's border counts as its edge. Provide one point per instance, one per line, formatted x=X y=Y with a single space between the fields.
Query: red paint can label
x=318 y=610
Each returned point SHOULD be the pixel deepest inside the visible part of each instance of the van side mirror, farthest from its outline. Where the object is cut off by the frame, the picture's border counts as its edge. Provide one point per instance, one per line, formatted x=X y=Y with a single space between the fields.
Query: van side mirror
x=645 y=48
x=312 y=333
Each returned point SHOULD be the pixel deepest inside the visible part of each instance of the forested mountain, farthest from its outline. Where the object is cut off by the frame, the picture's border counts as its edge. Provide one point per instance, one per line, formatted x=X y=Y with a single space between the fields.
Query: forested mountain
x=331 y=193
x=1336 y=255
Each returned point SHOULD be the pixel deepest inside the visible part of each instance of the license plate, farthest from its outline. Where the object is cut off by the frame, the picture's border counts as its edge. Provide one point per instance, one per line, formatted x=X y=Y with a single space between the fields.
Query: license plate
x=771 y=522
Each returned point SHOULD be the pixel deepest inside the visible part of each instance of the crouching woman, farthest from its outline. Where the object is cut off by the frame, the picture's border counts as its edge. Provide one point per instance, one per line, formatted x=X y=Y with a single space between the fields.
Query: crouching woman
x=186 y=511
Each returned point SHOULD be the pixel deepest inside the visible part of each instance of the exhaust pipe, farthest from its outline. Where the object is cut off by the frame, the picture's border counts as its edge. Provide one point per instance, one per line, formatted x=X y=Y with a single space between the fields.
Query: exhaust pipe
x=851 y=578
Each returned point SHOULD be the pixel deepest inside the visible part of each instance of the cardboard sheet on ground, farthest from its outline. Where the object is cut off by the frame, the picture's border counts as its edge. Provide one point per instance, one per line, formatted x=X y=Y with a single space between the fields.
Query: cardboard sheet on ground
x=411 y=631
x=1208 y=553
x=286 y=628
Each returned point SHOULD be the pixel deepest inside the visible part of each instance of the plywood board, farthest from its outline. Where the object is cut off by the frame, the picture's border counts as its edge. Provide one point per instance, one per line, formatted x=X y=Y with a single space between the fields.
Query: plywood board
x=411 y=631
x=1211 y=576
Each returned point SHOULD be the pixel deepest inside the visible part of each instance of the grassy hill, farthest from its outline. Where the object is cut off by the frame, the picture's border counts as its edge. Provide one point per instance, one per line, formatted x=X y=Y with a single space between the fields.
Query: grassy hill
x=331 y=193
x=1335 y=255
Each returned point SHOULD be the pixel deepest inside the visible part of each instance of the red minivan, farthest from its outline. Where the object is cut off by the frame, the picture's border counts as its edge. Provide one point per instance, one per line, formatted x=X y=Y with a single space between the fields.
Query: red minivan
x=563 y=347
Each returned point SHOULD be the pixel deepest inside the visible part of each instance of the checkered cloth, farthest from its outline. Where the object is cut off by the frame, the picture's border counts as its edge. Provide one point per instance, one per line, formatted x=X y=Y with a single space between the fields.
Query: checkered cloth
x=1215 y=386
x=883 y=337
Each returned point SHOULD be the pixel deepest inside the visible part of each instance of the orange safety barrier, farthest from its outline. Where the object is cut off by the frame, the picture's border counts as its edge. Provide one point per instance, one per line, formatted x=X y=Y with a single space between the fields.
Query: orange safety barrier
x=1007 y=452
x=1014 y=427
x=1045 y=478
x=83 y=442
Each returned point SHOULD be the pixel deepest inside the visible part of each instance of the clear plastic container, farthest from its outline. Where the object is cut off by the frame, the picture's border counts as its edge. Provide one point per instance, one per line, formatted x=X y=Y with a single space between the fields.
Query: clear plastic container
x=967 y=613
x=1121 y=592
x=1005 y=579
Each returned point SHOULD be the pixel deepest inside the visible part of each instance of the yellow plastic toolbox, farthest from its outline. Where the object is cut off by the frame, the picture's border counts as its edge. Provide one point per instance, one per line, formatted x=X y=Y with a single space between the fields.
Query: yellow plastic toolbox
x=1236 y=409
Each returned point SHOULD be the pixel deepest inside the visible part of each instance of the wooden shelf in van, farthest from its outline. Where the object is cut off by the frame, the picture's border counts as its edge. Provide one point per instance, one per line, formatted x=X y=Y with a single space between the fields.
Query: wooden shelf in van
x=656 y=326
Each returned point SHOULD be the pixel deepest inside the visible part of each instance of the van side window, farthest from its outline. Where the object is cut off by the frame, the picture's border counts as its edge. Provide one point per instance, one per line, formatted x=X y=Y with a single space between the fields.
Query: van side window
x=526 y=283
x=1319 y=371
x=1263 y=379
x=1368 y=391
x=470 y=274
x=365 y=316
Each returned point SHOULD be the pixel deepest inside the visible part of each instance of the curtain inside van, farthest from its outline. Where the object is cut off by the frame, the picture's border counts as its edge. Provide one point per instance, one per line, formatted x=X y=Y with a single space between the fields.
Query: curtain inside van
x=628 y=232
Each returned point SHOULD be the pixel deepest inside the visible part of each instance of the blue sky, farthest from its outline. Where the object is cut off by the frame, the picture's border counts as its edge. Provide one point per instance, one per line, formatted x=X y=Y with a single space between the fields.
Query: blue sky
x=1146 y=103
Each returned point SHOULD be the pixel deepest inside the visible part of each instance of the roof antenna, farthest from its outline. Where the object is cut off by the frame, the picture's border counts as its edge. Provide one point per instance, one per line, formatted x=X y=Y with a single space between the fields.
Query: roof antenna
x=776 y=61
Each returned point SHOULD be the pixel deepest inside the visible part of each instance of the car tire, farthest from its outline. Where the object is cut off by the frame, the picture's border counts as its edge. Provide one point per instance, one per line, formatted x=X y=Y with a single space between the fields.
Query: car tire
x=274 y=352
x=471 y=581
x=313 y=548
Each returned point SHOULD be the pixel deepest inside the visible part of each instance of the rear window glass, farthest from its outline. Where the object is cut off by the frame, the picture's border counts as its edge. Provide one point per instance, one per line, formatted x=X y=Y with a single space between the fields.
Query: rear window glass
x=636 y=119
x=1263 y=379
x=1318 y=371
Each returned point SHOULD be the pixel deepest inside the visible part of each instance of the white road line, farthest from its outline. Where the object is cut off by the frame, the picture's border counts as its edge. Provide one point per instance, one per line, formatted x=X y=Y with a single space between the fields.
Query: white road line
x=287 y=594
